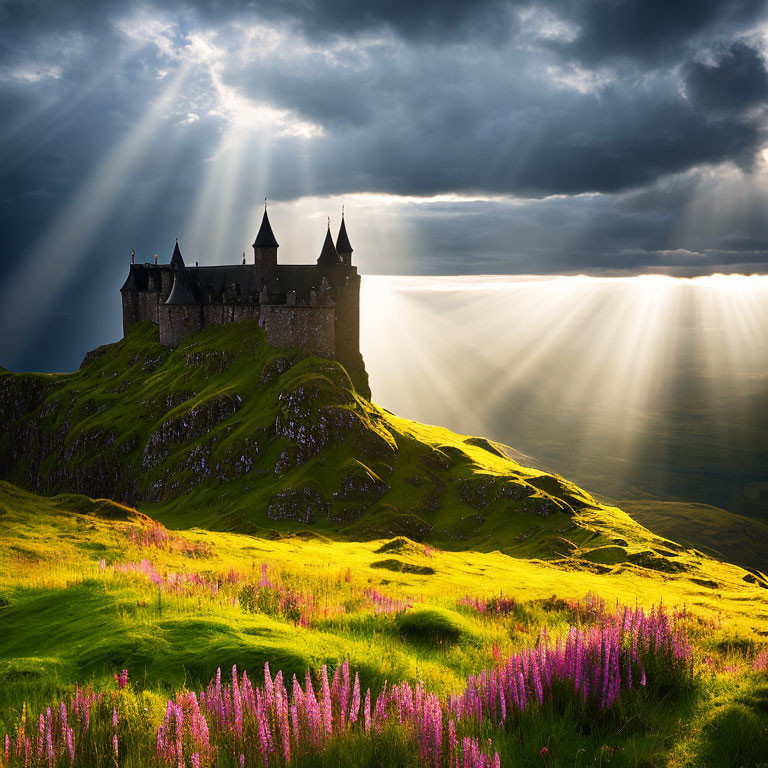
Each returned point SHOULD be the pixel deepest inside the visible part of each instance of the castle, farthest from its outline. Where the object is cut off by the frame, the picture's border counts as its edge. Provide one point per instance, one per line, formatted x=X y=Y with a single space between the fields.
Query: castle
x=311 y=308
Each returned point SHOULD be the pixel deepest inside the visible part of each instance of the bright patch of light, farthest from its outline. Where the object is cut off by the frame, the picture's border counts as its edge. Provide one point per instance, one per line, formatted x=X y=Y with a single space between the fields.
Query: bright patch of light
x=585 y=366
x=201 y=53
x=577 y=78
x=542 y=23
x=189 y=119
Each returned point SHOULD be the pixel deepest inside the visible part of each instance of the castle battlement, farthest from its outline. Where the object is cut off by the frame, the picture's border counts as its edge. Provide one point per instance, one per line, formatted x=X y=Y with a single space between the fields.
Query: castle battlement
x=313 y=308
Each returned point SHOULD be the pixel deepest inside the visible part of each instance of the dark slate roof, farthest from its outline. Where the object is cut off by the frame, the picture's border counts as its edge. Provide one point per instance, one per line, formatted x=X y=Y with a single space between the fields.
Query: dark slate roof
x=176 y=260
x=145 y=277
x=235 y=282
x=329 y=255
x=304 y=278
x=265 y=238
x=181 y=292
x=342 y=241
x=130 y=281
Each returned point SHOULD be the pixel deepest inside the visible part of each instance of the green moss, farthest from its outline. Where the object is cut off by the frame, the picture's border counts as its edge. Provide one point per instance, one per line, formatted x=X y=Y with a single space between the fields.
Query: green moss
x=434 y=625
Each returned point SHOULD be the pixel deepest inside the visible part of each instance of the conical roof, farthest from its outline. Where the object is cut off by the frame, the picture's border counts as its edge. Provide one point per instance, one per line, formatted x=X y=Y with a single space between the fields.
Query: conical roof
x=342 y=241
x=265 y=238
x=181 y=292
x=130 y=281
x=176 y=260
x=329 y=255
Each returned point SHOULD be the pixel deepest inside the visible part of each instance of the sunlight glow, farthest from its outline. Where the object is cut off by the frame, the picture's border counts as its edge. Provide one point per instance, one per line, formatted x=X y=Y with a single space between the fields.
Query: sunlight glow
x=582 y=370
x=62 y=247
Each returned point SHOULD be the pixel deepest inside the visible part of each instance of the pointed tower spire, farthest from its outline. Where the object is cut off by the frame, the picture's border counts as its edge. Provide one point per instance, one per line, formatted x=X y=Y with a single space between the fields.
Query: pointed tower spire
x=181 y=291
x=265 y=238
x=176 y=259
x=265 y=252
x=329 y=255
x=343 y=247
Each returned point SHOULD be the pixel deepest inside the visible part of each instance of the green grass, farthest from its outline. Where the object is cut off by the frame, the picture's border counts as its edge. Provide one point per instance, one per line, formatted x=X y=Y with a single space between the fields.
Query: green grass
x=435 y=625
x=208 y=436
x=66 y=620
x=735 y=538
x=212 y=433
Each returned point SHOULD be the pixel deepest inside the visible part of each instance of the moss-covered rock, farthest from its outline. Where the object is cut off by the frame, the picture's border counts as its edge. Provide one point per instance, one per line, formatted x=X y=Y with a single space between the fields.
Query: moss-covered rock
x=228 y=432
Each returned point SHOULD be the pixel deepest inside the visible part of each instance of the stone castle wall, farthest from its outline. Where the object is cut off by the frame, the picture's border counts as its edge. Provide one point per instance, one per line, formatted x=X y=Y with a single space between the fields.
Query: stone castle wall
x=138 y=306
x=347 y=323
x=218 y=314
x=306 y=329
x=326 y=331
x=177 y=321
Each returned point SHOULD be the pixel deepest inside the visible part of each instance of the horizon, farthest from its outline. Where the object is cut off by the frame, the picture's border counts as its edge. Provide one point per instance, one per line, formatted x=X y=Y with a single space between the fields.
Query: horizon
x=495 y=138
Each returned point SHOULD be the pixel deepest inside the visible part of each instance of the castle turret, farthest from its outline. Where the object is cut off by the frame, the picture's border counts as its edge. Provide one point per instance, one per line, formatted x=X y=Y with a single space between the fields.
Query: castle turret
x=343 y=248
x=182 y=313
x=176 y=259
x=329 y=255
x=265 y=252
x=181 y=293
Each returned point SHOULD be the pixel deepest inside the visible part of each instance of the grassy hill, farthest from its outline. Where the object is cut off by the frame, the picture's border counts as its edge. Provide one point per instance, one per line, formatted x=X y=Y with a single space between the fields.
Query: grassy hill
x=309 y=529
x=735 y=538
x=705 y=441
x=228 y=433
x=88 y=588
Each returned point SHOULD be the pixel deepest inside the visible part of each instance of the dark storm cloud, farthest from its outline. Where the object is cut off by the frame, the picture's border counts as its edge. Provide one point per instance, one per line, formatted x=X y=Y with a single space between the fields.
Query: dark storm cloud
x=430 y=19
x=609 y=121
x=736 y=81
x=417 y=116
x=464 y=127
x=651 y=30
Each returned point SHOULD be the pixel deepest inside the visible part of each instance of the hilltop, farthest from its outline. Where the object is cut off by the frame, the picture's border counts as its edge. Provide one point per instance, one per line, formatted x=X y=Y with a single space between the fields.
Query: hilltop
x=229 y=433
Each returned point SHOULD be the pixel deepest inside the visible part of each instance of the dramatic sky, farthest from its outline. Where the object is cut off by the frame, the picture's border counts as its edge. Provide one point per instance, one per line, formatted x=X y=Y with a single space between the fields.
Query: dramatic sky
x=553 y=136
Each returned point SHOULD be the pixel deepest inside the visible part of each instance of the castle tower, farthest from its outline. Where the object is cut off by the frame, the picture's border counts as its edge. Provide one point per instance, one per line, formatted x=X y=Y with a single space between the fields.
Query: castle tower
x=181 y=313
x=343 y=248
x=265 y=252
x=329 y=255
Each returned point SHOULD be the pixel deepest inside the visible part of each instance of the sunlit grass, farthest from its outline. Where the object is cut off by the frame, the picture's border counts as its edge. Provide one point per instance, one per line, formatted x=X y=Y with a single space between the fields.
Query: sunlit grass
x=91 y=590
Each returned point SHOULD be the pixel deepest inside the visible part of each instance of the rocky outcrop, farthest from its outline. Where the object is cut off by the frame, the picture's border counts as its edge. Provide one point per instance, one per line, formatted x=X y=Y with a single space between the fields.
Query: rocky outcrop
x=188 y=427
x=478 y=492
x=304 y=505
x=255 y=437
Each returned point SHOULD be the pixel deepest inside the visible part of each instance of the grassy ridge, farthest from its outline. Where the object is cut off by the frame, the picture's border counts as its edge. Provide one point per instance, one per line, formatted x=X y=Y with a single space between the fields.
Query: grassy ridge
x=228 y=433
x=311 y=527
x=736 y=538
x=73 y=611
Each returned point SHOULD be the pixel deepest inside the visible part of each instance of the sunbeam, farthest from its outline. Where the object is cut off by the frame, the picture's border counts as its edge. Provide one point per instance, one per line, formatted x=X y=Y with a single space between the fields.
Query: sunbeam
x=635 y=374
x=61 y=249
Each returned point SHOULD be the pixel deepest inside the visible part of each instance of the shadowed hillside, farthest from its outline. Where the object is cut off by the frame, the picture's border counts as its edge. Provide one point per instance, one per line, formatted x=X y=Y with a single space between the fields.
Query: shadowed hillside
x=229 y=433
x=735 y=538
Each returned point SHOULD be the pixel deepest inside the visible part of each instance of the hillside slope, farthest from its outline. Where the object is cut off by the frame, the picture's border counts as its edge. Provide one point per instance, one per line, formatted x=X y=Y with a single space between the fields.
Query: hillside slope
x=228 y=433
x=71 y=556
x=90 y=587
x=735 y=538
